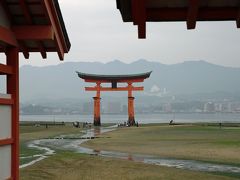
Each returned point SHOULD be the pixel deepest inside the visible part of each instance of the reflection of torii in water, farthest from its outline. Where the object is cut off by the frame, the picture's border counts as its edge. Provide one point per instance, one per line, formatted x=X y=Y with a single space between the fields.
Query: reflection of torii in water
x=114 y=80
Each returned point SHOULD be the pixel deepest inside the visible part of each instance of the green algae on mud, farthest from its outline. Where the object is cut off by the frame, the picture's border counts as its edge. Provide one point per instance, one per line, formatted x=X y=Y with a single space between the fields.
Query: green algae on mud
x=29 y=133
x=74 y=166
x=194 y=142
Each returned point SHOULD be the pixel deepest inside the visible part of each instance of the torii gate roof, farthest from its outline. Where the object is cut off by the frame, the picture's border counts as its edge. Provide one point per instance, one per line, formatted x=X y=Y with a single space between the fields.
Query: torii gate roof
x=111 y=78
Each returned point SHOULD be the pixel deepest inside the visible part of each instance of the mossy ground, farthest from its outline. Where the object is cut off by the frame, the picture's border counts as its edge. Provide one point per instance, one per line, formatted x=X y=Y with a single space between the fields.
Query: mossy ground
x=196 y=142
x=187 y=142
x=72 y=166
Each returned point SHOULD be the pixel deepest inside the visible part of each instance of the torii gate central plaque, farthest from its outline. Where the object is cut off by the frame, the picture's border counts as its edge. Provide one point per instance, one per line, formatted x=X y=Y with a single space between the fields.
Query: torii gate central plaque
x=114 y=80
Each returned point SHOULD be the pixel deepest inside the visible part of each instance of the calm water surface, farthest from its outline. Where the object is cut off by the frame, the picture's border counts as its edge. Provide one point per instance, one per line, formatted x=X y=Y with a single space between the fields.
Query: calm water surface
x=141 y=118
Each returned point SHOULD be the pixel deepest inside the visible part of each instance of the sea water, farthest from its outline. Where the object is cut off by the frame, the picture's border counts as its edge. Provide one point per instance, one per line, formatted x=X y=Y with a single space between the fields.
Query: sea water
x=142 y=118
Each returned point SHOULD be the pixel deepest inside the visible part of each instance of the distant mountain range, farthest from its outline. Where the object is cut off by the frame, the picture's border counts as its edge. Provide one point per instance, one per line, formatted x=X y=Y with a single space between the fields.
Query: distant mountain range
x=191 y=77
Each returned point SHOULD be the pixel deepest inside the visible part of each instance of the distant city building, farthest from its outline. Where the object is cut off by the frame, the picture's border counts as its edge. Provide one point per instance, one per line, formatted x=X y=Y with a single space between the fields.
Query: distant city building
x=167 y=108
x=113 y=107
x=117 y=107
x=237 y=109
x=87 y=107
x=218 y=107
x=229 y=107
x=57 y=110
x=198 y=110
x=165 y=91
x=124 y=109
x=209 y=107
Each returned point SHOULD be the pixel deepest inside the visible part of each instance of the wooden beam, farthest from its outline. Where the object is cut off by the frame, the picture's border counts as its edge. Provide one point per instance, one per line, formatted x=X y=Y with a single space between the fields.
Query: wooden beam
x=35 y=15
x=10 y=178
x=60 y=50
x=7 y=36
x=134 y=11
x=25 y=54
x=113 y=89
x=238 y=19
x=131 y=80
x=192 y=14
x=130 y=89
x=142 y=30
x=24 y=50
x=96 y=81
x=5 y=101
x=25 y=11
x=142 y=19
x=180 y=14
x=6 y=9
x=5 y=69
x=98 y=87
x=36 y=32
x=33 y=49
x=27 y=15
x=4 y=142
x=42 y=50
x=118 y=81
x=51 y=14
x=32 y=3
x=139 y=17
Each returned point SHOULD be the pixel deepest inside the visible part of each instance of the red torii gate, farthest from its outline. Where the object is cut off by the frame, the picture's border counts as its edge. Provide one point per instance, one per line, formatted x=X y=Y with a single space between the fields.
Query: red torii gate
x=114 y=80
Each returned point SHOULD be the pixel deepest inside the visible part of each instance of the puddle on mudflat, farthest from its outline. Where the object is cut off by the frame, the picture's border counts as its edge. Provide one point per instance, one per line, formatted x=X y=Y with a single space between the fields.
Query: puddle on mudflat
x=64 y=142
x=75 y=145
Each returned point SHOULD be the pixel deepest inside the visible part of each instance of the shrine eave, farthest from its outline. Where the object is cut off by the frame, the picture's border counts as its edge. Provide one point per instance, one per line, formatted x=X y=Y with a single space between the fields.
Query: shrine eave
x=114 y=78
x=142 y=11
x=178 y=10
x=33 y=26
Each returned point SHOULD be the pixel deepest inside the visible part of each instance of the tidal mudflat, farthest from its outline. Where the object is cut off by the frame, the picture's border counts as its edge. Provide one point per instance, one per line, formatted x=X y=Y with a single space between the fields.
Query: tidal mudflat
x=137 y=144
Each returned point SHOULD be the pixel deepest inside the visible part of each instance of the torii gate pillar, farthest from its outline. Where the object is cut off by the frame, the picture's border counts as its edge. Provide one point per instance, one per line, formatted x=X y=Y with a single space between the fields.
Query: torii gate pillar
x=97 y=110
x=131 y=118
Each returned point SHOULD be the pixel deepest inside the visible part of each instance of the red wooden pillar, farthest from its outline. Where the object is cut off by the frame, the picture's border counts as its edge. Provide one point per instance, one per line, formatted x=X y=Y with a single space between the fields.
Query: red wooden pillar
x=131 y=118
x=139 y=17
x=13 y=89
x=97 y=119
x=97 y=106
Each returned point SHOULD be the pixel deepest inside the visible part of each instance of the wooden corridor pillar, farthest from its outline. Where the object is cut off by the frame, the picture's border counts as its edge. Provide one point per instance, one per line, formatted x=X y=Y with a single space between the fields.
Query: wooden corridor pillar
x=9 y=128
x=13 y=89
x=30 y=34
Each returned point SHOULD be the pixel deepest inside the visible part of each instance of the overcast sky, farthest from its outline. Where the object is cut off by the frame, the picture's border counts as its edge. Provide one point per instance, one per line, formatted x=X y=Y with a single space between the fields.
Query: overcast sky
x=97 y=33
